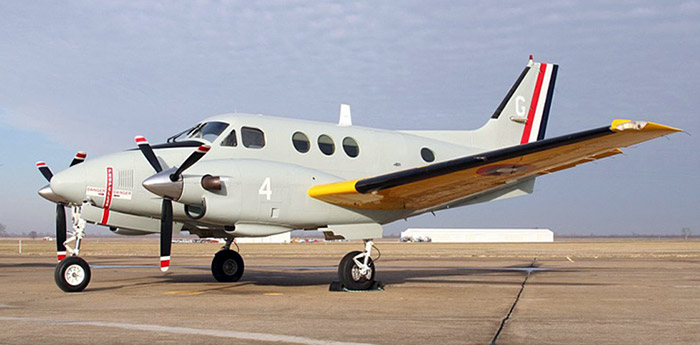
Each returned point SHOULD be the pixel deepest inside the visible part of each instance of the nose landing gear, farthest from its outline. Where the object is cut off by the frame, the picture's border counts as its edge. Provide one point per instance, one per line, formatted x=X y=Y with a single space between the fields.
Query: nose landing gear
x=72 y=273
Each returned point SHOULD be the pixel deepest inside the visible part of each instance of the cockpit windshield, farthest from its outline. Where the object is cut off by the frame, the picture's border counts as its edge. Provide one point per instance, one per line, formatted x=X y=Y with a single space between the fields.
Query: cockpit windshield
x=208 y=131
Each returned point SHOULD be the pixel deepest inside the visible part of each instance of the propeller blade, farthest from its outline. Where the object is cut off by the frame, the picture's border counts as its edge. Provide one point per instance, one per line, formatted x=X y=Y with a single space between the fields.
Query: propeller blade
x=44 y=170
x=60 y=231
x=147 y=151
x=193 y=158
x=166 y=233
x=79 y=158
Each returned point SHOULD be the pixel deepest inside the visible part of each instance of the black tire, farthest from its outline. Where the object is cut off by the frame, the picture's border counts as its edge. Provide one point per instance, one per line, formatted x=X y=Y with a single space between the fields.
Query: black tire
x=354 y=281
x=72 y=274
x=227 y=266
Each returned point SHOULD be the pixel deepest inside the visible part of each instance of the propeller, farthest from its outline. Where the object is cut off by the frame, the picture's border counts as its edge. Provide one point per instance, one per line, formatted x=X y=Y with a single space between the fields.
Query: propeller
x=60 y=205
x=166 y=210
x=44 y=170
x=79 y=158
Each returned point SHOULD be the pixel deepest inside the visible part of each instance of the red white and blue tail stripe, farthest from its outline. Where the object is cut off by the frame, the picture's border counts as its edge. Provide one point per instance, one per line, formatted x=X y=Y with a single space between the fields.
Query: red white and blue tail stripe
x=540 y=103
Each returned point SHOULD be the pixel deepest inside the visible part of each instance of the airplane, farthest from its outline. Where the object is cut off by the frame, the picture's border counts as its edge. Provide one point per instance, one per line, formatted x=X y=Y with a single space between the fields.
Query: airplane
x=245 y=175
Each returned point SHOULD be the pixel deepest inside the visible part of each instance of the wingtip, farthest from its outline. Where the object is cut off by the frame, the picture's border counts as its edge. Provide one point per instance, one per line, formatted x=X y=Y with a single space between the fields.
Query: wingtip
x=623 y=124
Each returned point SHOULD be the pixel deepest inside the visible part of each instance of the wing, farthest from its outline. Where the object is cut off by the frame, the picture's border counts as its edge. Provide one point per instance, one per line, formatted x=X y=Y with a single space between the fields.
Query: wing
x=448 y=181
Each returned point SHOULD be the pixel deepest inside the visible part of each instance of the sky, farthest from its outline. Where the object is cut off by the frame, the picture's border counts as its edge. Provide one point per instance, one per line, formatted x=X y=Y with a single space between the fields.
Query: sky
x=89 y=75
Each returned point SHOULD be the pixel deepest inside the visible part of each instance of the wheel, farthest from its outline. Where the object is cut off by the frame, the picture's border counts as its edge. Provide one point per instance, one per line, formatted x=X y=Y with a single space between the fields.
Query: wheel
x=350 y=276
x=227 y=266
x=72 y=274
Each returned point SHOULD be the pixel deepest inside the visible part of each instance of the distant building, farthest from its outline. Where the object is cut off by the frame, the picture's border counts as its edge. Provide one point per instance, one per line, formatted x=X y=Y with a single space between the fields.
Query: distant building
x=477 y=235
x=285 y=237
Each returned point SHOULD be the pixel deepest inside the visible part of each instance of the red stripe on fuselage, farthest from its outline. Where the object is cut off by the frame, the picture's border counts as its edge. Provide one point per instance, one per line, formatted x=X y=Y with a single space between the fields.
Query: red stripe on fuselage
x=108 y=196
x=533 y=105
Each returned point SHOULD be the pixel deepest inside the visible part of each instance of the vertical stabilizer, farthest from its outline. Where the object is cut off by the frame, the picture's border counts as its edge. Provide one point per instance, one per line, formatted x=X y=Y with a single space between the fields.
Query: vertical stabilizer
x=522 y=115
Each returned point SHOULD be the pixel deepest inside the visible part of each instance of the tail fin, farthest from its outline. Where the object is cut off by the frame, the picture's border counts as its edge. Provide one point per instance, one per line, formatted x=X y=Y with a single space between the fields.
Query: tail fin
x=522 y=115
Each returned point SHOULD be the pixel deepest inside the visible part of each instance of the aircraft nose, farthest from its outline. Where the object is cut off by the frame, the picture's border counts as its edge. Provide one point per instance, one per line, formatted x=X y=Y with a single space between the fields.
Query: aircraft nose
x=49 y=195
x=70 y=184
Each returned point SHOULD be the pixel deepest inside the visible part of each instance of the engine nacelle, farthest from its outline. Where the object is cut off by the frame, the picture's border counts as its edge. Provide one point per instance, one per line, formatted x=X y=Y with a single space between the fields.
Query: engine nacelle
x=227 y=192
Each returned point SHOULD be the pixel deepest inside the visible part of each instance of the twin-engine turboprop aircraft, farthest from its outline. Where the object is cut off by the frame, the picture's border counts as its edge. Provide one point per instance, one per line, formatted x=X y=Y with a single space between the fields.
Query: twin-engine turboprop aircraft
x=241 y=175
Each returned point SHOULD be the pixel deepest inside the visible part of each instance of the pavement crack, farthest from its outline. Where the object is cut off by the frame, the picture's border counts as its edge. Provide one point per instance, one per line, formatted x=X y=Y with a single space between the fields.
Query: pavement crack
x=512 y=307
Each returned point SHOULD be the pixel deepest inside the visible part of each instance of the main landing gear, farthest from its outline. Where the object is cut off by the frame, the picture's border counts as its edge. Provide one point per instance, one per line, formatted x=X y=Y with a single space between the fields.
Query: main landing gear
x=356 y=271
x=72 y=272
x=227 y=265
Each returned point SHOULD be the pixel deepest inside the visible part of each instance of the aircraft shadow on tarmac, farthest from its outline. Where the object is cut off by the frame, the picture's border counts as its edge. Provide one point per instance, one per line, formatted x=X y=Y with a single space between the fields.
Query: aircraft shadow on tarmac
x=318 y=276
x=29 y=265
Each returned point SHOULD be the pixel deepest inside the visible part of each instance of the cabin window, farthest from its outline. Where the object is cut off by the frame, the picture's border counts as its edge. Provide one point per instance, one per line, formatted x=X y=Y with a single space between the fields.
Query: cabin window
x=427 y=154
x=350 y=147
x=326 y=145
x=301 y=142
x=252 y=138
x=230 y=140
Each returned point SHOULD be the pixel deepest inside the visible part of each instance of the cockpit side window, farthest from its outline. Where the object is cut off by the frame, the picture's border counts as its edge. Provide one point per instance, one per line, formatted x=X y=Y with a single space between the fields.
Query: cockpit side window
x=182 y=135
x=230 y=140
x=209 y=131
x=252 y=138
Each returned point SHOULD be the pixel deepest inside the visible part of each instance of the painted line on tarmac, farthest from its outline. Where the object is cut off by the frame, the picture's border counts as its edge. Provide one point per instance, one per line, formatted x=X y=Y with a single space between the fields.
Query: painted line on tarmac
x=187 y=331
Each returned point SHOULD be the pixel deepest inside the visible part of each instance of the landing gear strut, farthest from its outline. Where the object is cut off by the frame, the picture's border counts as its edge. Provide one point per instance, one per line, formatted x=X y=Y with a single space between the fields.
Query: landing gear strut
x=356 y=271
x=73 y=273
x=227 y=265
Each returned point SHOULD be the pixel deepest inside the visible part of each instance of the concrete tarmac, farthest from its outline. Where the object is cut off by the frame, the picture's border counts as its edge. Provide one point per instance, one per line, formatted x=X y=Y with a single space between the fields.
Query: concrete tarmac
x=427 y=300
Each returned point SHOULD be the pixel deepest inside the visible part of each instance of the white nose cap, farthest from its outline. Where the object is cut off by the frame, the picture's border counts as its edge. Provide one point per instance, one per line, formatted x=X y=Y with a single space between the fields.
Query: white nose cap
x=69 y=185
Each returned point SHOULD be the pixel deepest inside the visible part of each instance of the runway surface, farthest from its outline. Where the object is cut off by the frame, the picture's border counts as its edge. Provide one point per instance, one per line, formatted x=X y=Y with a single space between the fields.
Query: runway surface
x=432 y=299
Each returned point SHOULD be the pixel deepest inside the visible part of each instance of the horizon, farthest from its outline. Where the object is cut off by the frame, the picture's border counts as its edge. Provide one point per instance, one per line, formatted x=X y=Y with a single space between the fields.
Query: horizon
x=90 y=76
